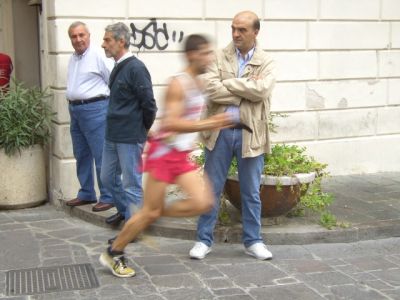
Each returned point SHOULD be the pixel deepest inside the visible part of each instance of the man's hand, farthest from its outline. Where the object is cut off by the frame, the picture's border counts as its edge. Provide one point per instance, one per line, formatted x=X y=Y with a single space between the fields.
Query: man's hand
x=255 y=77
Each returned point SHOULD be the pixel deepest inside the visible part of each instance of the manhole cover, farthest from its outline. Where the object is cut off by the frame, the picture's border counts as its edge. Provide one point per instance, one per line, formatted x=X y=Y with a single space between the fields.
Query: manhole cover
x=51 y=279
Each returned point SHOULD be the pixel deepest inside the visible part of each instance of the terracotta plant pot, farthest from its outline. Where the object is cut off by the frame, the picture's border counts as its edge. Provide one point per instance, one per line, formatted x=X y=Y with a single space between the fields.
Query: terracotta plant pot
x=275 y=201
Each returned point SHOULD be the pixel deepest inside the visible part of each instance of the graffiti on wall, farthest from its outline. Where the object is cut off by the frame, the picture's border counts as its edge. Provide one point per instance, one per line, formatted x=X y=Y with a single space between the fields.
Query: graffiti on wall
x=154 y=36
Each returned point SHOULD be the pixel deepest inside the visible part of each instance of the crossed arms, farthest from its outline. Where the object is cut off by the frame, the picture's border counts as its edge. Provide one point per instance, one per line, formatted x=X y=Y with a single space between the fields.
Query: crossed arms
x=231 y=91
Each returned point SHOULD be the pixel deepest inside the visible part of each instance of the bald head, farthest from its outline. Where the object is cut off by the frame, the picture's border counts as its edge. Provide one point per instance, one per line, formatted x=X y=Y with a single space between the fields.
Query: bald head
x=245 y=27
x=250 y=17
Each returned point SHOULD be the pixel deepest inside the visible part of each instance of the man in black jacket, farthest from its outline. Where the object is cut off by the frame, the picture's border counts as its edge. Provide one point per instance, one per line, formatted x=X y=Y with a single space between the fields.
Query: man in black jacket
x=131 y=113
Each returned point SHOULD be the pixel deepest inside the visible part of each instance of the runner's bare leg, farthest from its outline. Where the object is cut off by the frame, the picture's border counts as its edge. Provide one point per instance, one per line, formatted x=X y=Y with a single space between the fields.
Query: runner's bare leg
x=153 y=205
x=200 y=200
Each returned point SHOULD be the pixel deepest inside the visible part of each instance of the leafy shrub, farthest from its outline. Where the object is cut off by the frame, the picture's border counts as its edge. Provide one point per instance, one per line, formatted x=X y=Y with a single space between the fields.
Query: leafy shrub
x=288 y=160
x=25 y=118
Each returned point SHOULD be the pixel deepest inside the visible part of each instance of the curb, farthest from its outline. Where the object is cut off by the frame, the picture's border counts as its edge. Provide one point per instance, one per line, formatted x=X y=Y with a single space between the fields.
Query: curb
x=291 y=233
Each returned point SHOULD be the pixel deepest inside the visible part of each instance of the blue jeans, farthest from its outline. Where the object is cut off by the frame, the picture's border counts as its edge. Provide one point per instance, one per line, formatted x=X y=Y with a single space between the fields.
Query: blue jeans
x=123 y=159
x=87 y=132
x=228 y=145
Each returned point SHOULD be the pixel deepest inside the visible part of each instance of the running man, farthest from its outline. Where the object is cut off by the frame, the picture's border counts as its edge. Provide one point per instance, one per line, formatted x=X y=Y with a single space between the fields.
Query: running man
x=168 y=159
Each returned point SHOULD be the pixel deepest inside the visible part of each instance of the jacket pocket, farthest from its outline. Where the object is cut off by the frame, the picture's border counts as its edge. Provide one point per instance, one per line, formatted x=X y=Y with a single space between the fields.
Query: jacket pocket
x=205 y=135
x=226 y=73
x=259 y=135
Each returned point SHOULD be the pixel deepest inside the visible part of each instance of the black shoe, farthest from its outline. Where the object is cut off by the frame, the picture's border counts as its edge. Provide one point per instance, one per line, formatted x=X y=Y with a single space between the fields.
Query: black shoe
x=110 y=241
x=115 y=219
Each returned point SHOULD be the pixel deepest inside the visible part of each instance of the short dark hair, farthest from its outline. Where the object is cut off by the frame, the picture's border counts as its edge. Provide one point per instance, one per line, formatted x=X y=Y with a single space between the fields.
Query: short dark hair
x=256 y=24
x=194 y=41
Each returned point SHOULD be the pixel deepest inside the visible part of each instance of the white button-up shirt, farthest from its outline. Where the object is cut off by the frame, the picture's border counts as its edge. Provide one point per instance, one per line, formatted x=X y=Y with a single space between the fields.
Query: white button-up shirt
x=88 y=74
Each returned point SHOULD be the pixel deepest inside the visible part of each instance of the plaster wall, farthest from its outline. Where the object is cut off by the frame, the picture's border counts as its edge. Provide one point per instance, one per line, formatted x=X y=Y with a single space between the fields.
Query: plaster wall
x=338 y=69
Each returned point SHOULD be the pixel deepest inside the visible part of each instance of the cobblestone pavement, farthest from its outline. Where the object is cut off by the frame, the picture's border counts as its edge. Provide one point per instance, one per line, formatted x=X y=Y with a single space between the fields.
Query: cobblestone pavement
x=43 y=236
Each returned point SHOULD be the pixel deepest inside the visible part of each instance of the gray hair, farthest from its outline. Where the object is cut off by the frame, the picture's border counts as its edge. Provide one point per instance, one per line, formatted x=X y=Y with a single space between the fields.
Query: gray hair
x=76 y=24
x=120 y=31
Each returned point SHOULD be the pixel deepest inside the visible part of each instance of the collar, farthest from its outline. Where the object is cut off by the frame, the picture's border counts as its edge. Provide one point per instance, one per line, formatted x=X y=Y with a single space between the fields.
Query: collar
x=248 y=56
x=123 y=57
x=258 y=56
x=79 y=56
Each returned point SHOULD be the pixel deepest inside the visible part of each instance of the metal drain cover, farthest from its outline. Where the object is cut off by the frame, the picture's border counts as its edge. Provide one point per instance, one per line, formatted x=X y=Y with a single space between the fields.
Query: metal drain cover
x=51 y=279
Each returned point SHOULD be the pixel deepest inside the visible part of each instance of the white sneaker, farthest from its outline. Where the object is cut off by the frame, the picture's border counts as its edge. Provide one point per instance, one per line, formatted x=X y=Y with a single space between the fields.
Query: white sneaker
x=259 y=251
x=199 y=250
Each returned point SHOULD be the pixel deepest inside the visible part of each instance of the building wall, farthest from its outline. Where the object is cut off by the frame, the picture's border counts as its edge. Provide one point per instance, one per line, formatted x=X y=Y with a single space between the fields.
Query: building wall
x=338 y=69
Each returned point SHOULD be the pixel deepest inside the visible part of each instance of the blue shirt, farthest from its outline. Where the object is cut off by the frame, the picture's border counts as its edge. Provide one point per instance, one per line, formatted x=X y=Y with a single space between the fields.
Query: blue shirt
x=243 y=61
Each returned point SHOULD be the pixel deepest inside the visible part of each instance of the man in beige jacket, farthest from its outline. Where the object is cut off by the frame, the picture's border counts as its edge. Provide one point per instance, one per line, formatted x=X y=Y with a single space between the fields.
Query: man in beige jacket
x=239 y=82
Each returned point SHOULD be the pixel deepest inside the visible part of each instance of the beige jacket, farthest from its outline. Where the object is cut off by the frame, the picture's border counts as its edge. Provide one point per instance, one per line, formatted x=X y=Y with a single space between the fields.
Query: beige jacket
x=253 y=97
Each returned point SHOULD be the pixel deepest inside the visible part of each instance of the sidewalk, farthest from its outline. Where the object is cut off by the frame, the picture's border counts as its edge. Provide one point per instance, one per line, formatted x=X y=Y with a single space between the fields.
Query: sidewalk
x=44 y=237
x=370 y=204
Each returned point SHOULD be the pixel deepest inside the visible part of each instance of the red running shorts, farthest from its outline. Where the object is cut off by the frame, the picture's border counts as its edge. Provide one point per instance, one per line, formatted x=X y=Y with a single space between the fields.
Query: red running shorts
x=169 y=166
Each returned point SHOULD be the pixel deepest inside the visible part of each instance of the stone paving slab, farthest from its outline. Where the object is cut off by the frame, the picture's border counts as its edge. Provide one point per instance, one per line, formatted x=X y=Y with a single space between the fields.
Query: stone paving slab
x=370 y=204
x=360 y=270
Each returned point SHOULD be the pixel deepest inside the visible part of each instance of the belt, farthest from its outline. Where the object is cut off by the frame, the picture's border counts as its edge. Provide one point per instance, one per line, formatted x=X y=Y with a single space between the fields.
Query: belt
x=242 y=126
x=86 y=101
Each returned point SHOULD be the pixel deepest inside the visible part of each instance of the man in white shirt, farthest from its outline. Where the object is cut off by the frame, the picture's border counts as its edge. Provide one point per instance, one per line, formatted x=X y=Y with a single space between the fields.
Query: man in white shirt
x=88 y=96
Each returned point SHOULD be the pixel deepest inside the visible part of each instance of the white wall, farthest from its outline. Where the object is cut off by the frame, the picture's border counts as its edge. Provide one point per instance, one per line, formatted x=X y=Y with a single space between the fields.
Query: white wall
x=338 y=61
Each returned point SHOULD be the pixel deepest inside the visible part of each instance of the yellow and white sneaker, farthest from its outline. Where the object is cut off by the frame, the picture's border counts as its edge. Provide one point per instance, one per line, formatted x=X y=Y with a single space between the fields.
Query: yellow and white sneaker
x=117 y=265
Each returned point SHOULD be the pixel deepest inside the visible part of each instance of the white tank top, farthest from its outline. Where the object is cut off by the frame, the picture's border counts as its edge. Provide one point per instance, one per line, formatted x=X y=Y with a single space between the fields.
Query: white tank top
x=194 y=101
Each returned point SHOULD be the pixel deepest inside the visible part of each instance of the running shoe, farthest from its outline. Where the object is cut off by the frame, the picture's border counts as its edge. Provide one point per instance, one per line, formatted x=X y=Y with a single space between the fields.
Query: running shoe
x=117 y=265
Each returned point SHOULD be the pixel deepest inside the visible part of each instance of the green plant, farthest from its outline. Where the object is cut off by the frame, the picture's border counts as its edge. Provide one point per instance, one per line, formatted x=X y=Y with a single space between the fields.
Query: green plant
x=223 y=215
x=25 y=118
x=288 y=160
x=271 y=125
x=200 y=156
x=327 y=220
x=314 y=198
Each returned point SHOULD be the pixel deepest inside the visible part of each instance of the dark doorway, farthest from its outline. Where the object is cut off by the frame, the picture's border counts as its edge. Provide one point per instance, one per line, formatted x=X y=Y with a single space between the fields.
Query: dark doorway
x=26 y=42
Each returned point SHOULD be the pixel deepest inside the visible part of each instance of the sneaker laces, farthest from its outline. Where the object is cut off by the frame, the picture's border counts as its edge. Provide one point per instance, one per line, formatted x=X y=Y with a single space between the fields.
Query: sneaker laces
x=120 y=261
